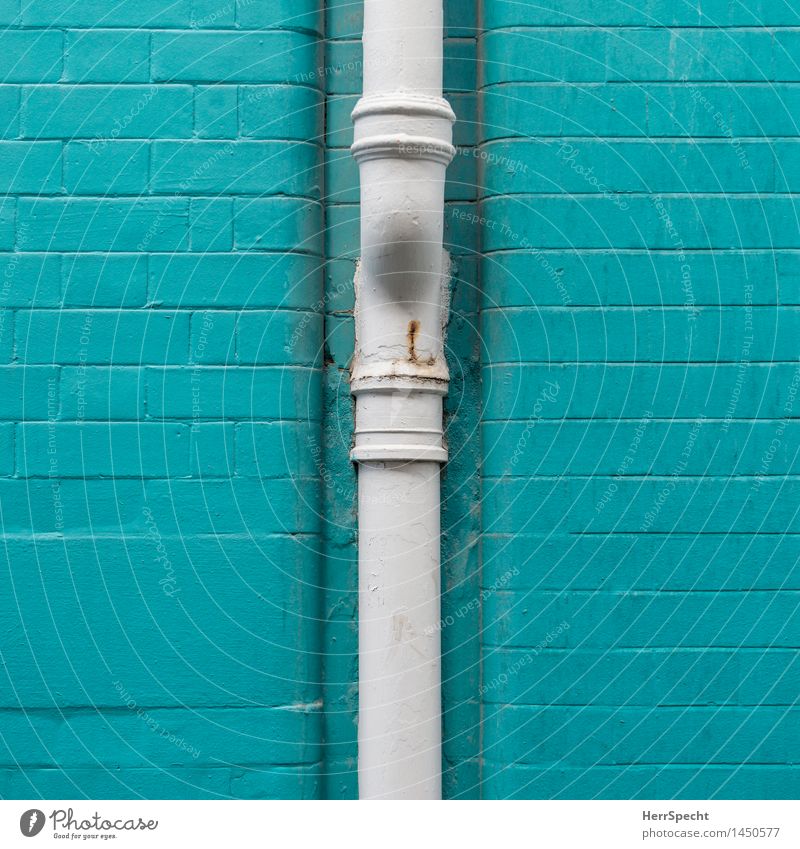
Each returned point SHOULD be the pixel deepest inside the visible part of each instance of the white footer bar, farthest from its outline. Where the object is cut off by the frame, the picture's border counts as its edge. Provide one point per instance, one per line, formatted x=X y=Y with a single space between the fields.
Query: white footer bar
x=383 y=825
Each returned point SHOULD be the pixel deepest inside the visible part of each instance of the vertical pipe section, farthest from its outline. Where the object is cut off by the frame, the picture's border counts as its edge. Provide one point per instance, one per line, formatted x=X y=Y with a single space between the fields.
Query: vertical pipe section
x=403 y=144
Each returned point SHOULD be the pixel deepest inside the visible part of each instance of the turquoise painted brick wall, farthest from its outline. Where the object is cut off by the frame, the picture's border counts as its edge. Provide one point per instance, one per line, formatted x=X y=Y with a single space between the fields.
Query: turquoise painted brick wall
x=161 y=338
x=178 y=235
x=640 y=369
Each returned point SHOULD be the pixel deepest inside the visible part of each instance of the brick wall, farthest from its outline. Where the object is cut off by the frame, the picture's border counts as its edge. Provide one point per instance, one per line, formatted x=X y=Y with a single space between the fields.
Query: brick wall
x=161 y=344
x=177 y=358
x=178 y=233
x=640 y=378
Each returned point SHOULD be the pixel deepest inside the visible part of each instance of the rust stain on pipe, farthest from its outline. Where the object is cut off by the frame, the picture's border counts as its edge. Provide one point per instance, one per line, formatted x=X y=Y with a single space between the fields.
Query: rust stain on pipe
x=413 y=330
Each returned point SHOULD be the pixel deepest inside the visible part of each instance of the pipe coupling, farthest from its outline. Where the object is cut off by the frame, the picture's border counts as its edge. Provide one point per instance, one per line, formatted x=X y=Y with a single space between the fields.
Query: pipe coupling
x=399 y=419
x=401 y=125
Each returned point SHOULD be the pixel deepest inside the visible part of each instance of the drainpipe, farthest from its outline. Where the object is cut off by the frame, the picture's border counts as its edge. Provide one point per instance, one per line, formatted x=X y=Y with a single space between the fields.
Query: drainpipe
x=402 y=143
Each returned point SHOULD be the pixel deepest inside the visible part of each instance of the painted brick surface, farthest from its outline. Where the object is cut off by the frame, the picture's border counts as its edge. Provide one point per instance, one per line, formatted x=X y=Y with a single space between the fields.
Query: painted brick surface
x=343 y=21
x=640 y=381
x=160 y=342
x=178 y=238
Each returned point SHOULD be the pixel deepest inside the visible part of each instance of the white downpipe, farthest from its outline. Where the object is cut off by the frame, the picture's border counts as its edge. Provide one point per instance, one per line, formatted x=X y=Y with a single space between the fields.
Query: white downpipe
x=403 y=143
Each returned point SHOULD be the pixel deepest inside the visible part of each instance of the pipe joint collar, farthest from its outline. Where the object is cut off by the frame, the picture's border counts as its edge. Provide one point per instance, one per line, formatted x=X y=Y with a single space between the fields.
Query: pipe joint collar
x=402 y=125
x=403 y=103
x=399 y=421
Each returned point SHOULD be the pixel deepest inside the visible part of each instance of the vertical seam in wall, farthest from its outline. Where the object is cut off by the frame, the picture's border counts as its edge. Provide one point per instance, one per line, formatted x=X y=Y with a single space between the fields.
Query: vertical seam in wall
x=321 y=584
x=478 y=283
x=62 y=170
x=325 y=755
